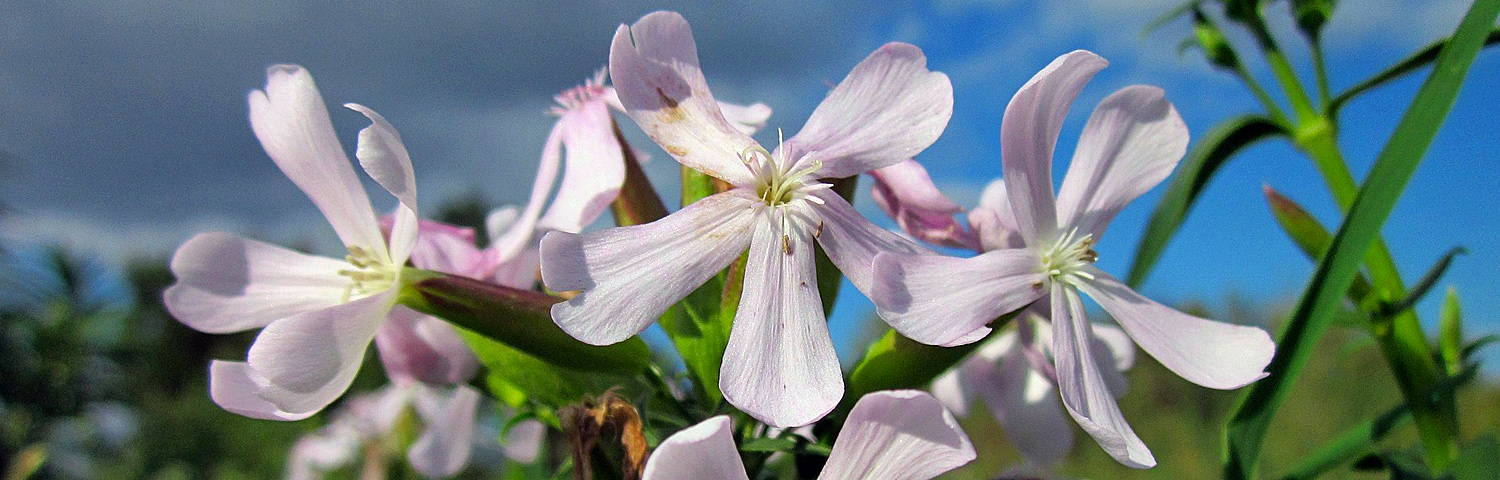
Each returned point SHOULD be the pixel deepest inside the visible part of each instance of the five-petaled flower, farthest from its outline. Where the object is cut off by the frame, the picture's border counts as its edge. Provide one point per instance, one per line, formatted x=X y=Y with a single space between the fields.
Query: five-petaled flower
x=318 y=313
x=779 y=364
x=1130 y=143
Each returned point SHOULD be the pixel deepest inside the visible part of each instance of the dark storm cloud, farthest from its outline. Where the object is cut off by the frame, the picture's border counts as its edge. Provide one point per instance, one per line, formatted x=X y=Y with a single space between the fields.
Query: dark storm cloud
x=133 y=112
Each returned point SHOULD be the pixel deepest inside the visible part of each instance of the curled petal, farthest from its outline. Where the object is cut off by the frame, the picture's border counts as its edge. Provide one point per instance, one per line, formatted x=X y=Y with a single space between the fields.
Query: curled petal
x=235 y=387
x=292 y=123
x=445 y=248
x=1212 y=354
x=702 y=451
x=1132 y=142
x=779 y=365
x=630 y=275
x=1028 y=134
x=654 y=67
x=594 y=172
x=384 y=157
x=748 y=119
x=939 y=300
x=308 y=360
x=908 y=196
x=227 y=283
x=898 y=434
x=993 y=223
x=1084 y=392
x=852 y=242
x=443 y=449
x=423 y=348
x=888 y=109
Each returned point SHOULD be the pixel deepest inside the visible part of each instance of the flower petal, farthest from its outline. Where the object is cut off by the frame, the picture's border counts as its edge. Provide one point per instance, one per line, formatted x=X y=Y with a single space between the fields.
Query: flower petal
x=384 y=158
x=937 y=300
x=779 y=365
x=523 y=443
x=1212 y=354
x=594 y=172
x=888 y=109
x=630 y=275
x=1084 y=392
x=308 y=360
x=1028 y=134
x=1026 y=405
x=993 y=222
x=445 y=248
x=908 y=196
x=227 y=283
x=423 y=348
x=235 y=387
x=957 y=388
x=898 y=434
x=443 y=449
x=748 y=119
x=852 y=242
x=702 y=451
x=292 y=123
x=654 y=67
x=1132 y=142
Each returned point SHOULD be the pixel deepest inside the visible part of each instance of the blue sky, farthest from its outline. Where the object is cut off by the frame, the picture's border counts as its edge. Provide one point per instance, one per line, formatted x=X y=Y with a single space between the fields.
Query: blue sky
x=126 y=121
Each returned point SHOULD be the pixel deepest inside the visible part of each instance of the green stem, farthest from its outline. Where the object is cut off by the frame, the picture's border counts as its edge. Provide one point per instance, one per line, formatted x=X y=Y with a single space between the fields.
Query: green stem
x=1401 y=338
x=1320 y=70
x=1287 y=78
x=1260 y=93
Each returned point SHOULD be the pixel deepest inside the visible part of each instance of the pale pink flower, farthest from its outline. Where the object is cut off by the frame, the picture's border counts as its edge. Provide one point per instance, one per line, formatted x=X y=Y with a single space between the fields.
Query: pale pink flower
x=906 y=193
x=318 y=313
x=1131 y=143
x=779 y=365
x=595 y=168
x=1012 y=374
x=899 y=435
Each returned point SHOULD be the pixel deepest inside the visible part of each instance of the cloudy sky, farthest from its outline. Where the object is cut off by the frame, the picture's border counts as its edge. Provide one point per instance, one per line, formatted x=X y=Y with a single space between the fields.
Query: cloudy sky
x=124 y=122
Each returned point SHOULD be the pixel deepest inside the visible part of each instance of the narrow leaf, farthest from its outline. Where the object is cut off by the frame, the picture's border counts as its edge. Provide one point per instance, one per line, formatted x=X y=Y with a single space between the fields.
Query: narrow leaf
x=895 y=362
x=1451 y=336
x=1423 y=286
x=519 y=318
x=1416 y=61
x=1336 y=271
x=1354 y=443
x=1193 y=174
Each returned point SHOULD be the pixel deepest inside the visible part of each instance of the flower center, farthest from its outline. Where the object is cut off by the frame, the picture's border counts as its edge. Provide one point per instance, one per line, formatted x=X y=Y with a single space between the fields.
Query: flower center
x=1065 y=259
x=371 y=272
x=777 y=182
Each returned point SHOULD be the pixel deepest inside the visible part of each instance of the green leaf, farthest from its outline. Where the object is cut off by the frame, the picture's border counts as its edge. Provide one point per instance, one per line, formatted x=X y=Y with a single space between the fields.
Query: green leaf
x=1312 y=239
x=1193 y=174
x=521 y=319
x=1478 y=460
x=1355 y=442
x=700 y=332
x=1336 y=271
x=1423 y=286
x=1451 y=336
x=1417 y=60
x=507 y=368
x=895 y=362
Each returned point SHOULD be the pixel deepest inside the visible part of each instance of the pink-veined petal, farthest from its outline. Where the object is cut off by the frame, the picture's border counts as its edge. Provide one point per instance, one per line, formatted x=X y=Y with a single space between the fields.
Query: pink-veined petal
x=748 y=119
x=308 y=360
x=958 y=387
x=522 y=228
x=227 y=283
x=779 y=365
x=906 y=193
x=852 y=242
x=1212 y=354
x=889 y=108
x=938 y=300
x=1028 y=134
x=1132 y=142
x=383 y=156
x=423 y=348
x=654 y=67
x=443 y=448
x=445 y=248
x=292 y=123
x=1025 y=403
x=630 y=275
x=235 y=387
x=993 y=222
x=594 y=171
x=517 y=266
x=898 y=435
x=1117 y=343
x=1084 y=392
x=700 y=452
